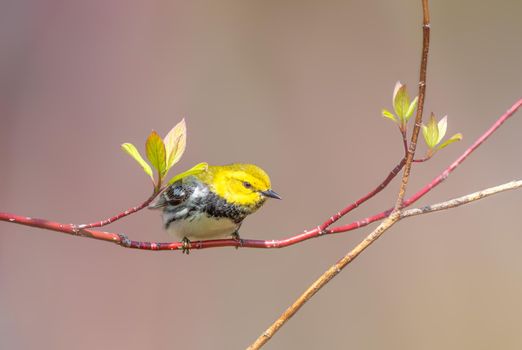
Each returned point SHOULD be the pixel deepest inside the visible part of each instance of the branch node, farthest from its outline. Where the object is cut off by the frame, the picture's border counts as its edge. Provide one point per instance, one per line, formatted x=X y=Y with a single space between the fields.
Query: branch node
x=124 y=240
x=77 y=230
x=320 y=231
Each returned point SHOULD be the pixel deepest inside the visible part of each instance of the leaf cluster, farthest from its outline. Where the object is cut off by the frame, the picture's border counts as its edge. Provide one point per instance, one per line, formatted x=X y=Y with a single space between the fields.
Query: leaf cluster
x=433 y=132
x=163 y=154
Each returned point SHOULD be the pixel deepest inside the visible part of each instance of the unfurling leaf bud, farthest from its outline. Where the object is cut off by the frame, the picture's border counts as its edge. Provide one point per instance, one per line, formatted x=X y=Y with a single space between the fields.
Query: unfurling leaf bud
x=454 y=138
x=175 y=143
x=401 y=101
x=156 y=154
x=387 y=114
x=131 y=150
x=430 y=132
x=402 y=107
x=434 y=132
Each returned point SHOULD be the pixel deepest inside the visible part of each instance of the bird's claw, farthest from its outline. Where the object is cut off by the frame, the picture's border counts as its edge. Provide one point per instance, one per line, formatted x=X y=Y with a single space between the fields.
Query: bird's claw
x=235 y=237
x=185 y=246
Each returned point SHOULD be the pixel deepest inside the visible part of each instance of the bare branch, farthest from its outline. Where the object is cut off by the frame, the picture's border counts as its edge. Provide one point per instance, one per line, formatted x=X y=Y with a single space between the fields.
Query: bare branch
x=120 y=215
x=457 y=202
x=387 y=223
x=420 y=106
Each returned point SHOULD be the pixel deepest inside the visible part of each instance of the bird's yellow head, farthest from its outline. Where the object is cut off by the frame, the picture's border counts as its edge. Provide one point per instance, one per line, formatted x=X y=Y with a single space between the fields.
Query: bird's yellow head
x=243 y=184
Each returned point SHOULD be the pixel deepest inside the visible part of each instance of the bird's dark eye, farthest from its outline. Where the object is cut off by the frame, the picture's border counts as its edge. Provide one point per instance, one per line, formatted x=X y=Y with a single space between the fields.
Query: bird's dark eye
x=247 y=184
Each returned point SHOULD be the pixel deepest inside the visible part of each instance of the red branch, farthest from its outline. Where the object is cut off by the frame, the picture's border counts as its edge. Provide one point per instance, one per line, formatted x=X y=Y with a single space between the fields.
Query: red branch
x=361 y=200
x=120 y=215
x=123 y=241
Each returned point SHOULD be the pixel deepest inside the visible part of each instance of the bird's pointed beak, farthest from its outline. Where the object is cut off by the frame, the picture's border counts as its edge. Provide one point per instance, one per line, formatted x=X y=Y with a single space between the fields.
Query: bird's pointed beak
x=271 y=194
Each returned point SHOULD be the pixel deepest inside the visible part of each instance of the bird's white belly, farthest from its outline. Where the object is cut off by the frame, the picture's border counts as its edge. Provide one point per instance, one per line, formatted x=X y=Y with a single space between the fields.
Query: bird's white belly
x=203 y=227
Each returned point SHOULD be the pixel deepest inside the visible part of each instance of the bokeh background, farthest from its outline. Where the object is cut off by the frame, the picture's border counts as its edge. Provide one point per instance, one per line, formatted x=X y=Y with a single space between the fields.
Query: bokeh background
x=297 y=88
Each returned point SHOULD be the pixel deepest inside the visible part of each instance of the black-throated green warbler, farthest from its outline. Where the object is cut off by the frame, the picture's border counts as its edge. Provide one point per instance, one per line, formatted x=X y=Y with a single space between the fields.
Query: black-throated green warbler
x=213 y=204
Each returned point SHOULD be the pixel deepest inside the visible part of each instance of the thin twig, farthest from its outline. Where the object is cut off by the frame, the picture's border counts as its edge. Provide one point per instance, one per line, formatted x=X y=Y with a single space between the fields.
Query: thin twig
x=456 y=202
x=120 y=215
x=323 y=280
x=386 y=224
x=405 y=143
x=361 y=200
x=420 y=106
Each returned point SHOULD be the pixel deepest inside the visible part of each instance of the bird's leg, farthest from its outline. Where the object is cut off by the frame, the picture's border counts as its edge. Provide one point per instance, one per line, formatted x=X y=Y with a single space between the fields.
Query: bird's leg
x=185 y=247
x=235 y=237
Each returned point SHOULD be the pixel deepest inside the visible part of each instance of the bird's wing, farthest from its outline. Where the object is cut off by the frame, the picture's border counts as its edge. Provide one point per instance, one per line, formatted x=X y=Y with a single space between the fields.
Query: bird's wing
x=173 y=195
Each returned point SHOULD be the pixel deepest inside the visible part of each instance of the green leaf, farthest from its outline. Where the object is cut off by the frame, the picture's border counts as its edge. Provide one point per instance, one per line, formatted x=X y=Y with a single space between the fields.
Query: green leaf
x=155 y=149
x=454 y=138
x=387 y=114
x=175 y=143
x=199 y=168
x=131 y=150
x=430 y=132
x=396 y=88
x=411 y=108
x=401 y=103
x=425 y=133
x=442 y=126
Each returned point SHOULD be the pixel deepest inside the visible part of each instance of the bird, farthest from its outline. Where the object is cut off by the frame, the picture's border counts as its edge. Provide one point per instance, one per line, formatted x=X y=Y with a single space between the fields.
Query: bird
x=212 y=204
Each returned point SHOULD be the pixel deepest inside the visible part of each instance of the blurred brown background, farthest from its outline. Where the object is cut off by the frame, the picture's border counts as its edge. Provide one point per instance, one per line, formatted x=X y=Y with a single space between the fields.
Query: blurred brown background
x=296 y=87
